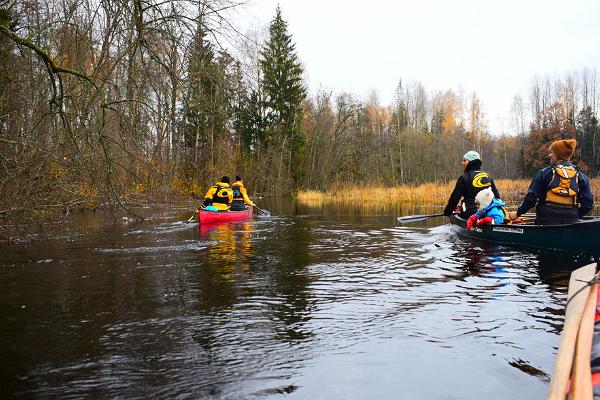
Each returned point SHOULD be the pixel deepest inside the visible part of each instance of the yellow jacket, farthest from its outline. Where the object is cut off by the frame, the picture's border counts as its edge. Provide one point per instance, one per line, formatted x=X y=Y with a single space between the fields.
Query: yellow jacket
x=239 y=185
x=220 y=196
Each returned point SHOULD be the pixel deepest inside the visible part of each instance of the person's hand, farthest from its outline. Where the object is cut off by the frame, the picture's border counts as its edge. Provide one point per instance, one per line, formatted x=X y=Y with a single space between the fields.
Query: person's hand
x=513 y=215
x=485 y=221
x=471 y=221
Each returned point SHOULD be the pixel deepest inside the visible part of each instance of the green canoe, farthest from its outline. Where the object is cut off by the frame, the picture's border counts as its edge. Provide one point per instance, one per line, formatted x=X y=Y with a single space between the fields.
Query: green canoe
x=580 y=237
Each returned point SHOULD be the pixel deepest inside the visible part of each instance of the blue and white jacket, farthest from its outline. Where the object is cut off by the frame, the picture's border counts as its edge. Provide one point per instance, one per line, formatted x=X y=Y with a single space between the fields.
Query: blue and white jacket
x=494 y=210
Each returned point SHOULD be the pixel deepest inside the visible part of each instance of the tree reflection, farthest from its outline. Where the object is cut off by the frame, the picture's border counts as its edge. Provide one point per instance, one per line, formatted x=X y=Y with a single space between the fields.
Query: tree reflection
x=226 y=261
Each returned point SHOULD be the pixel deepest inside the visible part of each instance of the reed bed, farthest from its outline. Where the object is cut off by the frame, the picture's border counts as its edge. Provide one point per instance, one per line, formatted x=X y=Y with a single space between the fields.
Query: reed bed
x=434 y=195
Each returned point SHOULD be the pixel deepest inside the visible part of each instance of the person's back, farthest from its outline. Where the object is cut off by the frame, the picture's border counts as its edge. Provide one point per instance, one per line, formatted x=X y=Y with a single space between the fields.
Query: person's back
x=240 y=195
x=560 y=192
x=468 y=185
x=219 y=195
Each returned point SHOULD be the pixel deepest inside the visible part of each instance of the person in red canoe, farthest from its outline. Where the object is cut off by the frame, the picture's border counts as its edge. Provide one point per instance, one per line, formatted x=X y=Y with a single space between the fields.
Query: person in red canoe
x=219 y=195
x=240 y=196
x=490 y=210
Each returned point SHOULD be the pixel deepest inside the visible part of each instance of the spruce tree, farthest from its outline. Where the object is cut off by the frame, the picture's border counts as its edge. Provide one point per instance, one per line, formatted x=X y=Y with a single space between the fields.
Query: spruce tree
x=284 y=91
x=206 y=104
x=588 y=133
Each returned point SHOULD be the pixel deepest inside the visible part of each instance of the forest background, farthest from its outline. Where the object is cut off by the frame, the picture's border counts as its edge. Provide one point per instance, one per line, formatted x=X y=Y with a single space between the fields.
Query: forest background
x=121 y=103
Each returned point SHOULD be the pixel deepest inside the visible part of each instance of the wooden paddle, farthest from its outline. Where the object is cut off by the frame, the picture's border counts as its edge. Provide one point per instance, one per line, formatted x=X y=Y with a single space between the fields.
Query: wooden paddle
x=417 y=218
x=576 y=299
x=581 y=375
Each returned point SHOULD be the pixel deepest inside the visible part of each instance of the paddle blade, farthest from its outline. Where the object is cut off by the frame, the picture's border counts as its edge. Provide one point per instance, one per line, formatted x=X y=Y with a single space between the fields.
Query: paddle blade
x=416 y=218
x=191 y=219
x=412 y=218
x=263 y=211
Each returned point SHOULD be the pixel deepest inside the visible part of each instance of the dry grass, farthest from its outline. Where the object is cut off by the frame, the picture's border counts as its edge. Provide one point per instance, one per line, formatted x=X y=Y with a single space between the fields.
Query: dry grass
x=425 y=195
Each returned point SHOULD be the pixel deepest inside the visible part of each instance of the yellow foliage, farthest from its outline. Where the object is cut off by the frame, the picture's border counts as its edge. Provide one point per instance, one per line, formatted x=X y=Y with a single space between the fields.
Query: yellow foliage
x=56 y=171
x=138 y=188
x=88 y=192
x=84 y=189
x=186 y=186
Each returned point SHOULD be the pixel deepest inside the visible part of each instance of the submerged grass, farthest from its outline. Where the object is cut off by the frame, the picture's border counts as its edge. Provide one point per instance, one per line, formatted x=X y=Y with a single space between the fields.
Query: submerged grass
x=424 y=195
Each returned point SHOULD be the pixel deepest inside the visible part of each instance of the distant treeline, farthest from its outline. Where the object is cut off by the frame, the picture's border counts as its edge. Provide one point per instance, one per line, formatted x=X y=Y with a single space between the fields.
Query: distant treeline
x=114 y=103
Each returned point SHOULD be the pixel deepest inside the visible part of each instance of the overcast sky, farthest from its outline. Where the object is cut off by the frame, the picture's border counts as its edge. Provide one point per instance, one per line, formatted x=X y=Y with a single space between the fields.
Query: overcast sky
x=492 y=48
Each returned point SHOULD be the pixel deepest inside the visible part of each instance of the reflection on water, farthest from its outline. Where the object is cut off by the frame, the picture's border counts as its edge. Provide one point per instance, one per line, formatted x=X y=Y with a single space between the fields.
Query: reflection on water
x=336 y=303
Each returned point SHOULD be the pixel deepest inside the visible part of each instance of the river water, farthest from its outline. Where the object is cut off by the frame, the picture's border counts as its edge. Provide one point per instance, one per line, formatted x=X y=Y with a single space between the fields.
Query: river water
x=309 y=303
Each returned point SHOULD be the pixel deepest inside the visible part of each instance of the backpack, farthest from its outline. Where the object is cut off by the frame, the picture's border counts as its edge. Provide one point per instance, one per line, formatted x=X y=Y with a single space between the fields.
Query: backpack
x=564 y=185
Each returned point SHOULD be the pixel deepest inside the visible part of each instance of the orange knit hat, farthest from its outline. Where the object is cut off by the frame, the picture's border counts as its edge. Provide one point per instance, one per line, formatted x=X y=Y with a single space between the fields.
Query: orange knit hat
x=564 y=149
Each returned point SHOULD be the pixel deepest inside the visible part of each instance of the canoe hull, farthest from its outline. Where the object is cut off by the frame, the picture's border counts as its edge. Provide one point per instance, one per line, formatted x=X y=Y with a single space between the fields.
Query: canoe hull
x=215 y=217
x=581 y=237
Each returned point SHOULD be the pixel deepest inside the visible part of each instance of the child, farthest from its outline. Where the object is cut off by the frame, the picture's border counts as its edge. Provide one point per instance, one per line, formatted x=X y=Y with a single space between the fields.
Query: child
x=490 y=210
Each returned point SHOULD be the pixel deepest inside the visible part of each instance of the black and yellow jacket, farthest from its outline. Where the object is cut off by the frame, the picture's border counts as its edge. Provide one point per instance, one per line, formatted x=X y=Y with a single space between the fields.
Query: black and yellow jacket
x=219 y=195
x=467 y=186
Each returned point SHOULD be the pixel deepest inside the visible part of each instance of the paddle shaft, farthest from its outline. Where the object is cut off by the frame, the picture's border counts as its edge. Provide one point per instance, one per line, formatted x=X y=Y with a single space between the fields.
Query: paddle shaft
x=416 y=218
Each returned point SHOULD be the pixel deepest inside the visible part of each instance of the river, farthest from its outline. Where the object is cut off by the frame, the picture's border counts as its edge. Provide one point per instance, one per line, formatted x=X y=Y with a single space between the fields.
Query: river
x=310 y=303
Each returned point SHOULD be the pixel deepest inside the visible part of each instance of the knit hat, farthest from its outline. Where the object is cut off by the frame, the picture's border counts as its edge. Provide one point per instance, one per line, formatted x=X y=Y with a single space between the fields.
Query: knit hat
x=225 y=179
x=563 y=149
x=484 y=198
x=472 y=155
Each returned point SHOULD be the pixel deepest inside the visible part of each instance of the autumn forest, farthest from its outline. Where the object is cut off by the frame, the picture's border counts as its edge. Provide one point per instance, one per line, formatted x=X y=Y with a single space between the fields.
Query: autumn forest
x=119 y=103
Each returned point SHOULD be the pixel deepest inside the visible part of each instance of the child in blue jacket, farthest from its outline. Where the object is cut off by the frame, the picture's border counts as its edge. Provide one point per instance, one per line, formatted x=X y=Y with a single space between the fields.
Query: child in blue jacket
x=491 y=210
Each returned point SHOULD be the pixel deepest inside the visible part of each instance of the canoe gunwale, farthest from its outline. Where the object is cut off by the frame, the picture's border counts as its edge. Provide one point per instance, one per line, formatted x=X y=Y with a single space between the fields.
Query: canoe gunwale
x=580 y=237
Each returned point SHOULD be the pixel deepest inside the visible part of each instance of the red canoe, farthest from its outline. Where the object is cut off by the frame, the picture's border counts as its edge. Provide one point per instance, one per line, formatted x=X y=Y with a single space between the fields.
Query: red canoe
x=212 y=217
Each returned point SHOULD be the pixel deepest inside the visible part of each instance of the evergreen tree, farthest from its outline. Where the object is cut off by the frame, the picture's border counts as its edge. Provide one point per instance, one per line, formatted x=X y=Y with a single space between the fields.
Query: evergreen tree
x=249 y=120
x=398 y=120
x=207 y=103
x=6 y=17
x=588 y=135
x=284 y=92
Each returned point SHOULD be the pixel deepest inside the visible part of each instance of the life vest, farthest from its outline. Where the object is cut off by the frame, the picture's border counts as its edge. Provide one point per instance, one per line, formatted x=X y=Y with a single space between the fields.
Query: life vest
x=564 y=185
x=477 y=180
x=237 y=191
x=507 y=219
x=221 y=194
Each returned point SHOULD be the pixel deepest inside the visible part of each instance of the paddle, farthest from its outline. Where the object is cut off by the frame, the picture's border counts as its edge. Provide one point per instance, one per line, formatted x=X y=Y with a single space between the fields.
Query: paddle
x=577 y=297
x=195 y=214
x=417 y=218
x=263 y=212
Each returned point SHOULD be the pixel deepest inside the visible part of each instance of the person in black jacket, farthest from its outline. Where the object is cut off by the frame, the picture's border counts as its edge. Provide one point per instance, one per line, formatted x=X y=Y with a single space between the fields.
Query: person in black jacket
x=468 y=185
x=560 y=192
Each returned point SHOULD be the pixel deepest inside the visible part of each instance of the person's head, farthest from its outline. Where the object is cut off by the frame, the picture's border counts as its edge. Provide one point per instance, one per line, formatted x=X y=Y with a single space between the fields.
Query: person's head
x=469 y=156
x=562 y=150
x=238 y=178
x=225 y=179
x=484 y=198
